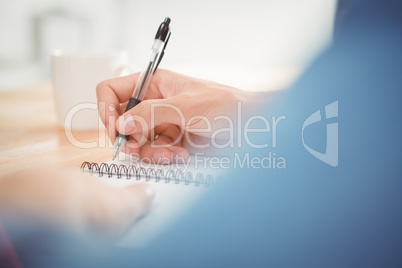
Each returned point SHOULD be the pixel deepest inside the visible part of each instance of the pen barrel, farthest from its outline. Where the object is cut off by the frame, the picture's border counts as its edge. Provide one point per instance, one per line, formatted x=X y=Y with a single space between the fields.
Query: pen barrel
x=145 y=77
x=122 y=136
x=132 y=102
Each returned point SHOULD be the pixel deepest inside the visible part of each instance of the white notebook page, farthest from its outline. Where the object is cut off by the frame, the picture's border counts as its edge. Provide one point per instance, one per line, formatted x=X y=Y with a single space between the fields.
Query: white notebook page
x=171 y=199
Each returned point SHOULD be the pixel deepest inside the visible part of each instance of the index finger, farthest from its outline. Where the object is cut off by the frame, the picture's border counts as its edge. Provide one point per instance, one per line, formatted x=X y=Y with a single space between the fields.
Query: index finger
x=111 y=93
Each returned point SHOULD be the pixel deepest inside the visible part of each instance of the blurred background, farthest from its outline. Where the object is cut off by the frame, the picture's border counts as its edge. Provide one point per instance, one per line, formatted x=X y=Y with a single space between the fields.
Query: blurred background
x=240 y=43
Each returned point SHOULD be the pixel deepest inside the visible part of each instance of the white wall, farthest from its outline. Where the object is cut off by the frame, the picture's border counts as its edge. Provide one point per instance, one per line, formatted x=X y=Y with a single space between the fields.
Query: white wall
x=249 y=31
x=212 y=34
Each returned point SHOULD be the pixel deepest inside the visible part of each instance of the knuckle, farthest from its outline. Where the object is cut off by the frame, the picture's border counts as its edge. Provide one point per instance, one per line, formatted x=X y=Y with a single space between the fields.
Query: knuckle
x=100 y=87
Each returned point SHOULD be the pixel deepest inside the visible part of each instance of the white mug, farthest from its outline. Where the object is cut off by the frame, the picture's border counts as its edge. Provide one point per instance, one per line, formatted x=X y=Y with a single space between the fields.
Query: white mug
x=74 y=79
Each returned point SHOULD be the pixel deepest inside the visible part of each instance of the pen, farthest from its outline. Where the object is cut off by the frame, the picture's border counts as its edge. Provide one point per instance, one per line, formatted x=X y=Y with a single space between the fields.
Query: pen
x=157 y=52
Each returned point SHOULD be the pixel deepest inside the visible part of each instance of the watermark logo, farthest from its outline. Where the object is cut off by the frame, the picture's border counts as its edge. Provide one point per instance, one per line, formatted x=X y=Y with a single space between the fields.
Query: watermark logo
x=330 y=156
x=232 y=140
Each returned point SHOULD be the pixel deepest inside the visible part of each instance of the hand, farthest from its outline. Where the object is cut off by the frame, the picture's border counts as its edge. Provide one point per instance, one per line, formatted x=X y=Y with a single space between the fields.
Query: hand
x=73 y=201
x=180 y=115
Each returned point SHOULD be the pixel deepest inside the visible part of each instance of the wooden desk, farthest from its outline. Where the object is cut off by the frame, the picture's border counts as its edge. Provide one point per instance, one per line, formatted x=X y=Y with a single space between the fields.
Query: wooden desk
x=30 y=137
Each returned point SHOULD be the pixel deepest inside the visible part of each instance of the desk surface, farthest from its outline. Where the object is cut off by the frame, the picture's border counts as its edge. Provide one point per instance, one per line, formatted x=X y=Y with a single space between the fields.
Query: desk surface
x=30 y=137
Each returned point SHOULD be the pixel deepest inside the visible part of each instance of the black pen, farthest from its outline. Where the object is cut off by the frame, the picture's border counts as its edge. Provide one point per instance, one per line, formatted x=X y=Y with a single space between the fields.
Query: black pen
x=157 y=52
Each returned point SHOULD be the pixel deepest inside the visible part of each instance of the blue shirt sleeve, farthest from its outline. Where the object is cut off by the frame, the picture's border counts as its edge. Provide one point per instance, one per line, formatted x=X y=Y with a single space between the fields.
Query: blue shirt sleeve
x=312 y=213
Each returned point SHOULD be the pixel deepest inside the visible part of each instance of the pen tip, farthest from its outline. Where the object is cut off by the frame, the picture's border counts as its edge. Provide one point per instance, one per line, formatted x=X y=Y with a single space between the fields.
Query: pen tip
x=115 y=153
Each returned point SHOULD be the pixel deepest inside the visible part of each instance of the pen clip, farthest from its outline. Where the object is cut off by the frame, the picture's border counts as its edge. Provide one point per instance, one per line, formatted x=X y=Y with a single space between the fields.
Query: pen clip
x=160 y=56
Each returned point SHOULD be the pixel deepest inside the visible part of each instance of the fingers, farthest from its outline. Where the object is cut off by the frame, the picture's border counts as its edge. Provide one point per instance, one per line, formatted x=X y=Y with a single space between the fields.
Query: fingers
x=140 y=196
x=165 y=147
x=110 y=94
x=105 y=211
x=124 y=206
x=163 y=155
x=151 y=113
x=161 y=151
x=113 y=95
x=68 y=199
x=166 y=102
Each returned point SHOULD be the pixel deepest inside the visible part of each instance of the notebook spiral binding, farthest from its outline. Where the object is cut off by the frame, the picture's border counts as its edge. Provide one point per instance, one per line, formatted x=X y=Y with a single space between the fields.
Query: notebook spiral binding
x=138 y=172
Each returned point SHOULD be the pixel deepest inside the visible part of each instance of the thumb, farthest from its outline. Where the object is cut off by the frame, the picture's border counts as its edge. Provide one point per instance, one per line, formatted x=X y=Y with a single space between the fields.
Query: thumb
x=150 y=113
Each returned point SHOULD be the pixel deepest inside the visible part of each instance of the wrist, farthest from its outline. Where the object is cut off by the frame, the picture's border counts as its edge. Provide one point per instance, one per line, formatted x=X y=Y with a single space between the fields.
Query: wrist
x=253 y=102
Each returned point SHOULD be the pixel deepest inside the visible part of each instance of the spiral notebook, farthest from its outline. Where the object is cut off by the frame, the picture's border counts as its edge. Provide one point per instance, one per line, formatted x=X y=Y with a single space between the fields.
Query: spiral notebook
x=177 y=187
